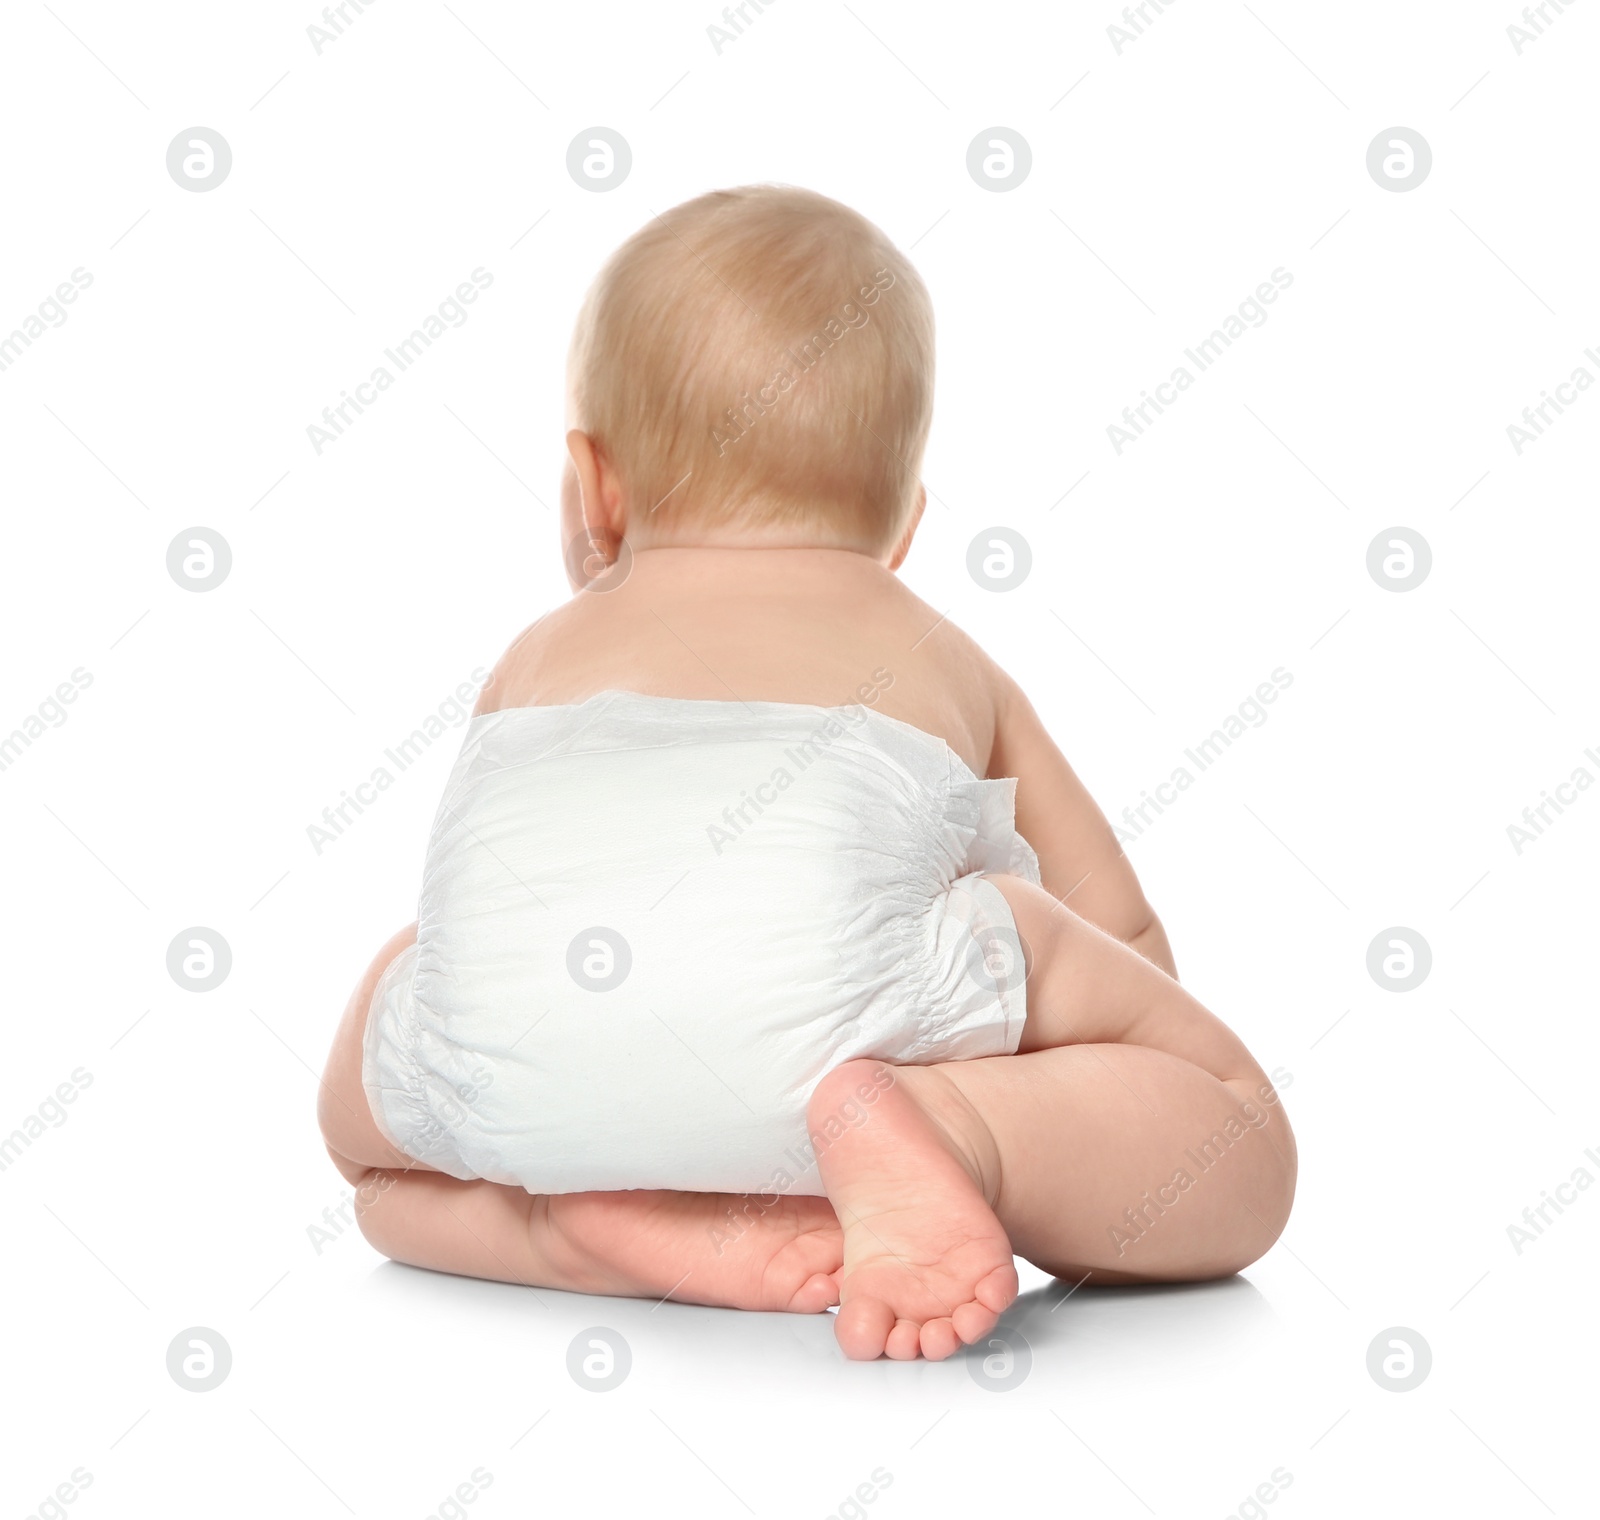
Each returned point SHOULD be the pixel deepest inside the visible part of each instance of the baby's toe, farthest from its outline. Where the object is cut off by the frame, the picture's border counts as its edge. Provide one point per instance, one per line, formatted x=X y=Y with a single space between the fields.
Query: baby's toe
x=997 y=1290
x=905 y=1341
x=971 y=1322
x=819 y=1292
x=862 y=1327
x=939 y=1339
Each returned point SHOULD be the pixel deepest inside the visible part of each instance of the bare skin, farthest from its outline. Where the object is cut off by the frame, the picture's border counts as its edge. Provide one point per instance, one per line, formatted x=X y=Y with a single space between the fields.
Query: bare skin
x=1068 y=1153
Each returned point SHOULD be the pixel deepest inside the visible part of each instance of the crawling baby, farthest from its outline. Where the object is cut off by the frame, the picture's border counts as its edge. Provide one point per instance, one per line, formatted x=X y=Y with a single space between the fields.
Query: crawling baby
x=770 y=954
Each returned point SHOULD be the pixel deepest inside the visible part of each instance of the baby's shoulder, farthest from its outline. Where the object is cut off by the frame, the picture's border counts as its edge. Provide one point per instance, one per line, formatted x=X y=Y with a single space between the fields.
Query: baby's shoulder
x=942 y=678
x=940 y=646
x=521 y=673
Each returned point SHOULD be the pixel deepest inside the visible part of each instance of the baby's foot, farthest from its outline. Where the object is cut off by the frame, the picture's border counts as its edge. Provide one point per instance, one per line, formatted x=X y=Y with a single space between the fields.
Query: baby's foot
x=732 y=1250
x=927 y=1265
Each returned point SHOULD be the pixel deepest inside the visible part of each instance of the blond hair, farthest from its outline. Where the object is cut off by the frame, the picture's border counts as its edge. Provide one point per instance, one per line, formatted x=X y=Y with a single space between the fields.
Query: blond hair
x=760 y=356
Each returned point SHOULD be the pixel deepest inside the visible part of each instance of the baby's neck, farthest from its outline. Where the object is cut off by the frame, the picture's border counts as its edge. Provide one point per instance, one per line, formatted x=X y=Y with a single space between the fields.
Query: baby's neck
x=774 y=538
x=743 y=567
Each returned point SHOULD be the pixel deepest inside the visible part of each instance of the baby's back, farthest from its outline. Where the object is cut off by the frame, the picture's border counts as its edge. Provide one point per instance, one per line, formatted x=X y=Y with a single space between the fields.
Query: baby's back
x=699 y=849
x=821 y=627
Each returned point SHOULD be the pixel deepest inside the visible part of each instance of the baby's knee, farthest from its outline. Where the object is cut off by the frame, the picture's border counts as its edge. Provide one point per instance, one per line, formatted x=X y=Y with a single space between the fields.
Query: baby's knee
x=378 y=1224
x=1267 y=1196
x=1277 y=1193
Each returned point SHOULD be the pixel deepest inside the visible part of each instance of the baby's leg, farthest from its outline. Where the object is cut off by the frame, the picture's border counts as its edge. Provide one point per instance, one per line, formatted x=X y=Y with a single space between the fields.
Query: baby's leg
x=748 y=1253
x=1200 y=1126
x=1133 y=1139
x=627 y=1245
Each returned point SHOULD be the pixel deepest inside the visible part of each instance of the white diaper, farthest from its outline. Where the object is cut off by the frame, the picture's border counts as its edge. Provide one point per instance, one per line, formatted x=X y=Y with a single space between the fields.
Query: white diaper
x=649 y=926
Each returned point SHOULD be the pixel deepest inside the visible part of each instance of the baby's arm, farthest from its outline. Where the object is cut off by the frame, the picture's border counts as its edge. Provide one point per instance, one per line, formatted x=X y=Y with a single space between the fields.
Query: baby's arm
x=1080 y=861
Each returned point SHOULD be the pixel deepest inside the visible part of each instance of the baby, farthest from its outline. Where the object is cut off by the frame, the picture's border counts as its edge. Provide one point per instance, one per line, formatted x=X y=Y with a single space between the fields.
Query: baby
x=770 y=954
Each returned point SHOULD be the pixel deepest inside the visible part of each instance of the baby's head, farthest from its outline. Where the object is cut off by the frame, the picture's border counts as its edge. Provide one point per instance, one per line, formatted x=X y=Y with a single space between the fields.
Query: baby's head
x=752 y=367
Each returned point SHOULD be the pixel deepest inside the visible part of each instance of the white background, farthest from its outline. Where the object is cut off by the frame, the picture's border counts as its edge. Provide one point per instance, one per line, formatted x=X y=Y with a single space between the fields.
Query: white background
x=1168 y=581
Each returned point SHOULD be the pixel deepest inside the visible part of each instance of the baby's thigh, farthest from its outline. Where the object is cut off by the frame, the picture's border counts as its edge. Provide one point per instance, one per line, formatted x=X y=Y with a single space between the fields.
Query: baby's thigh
x=348 y=1128
x=1083 y=986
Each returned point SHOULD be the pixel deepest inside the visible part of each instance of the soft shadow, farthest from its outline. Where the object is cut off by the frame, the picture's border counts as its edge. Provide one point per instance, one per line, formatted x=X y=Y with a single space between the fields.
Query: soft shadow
x=1171 y=1320
x=1077 y=1339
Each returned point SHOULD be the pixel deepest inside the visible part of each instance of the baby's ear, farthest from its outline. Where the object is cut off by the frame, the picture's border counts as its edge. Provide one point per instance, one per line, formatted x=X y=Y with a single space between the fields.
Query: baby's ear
x=599 y=487
x=903 y=548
